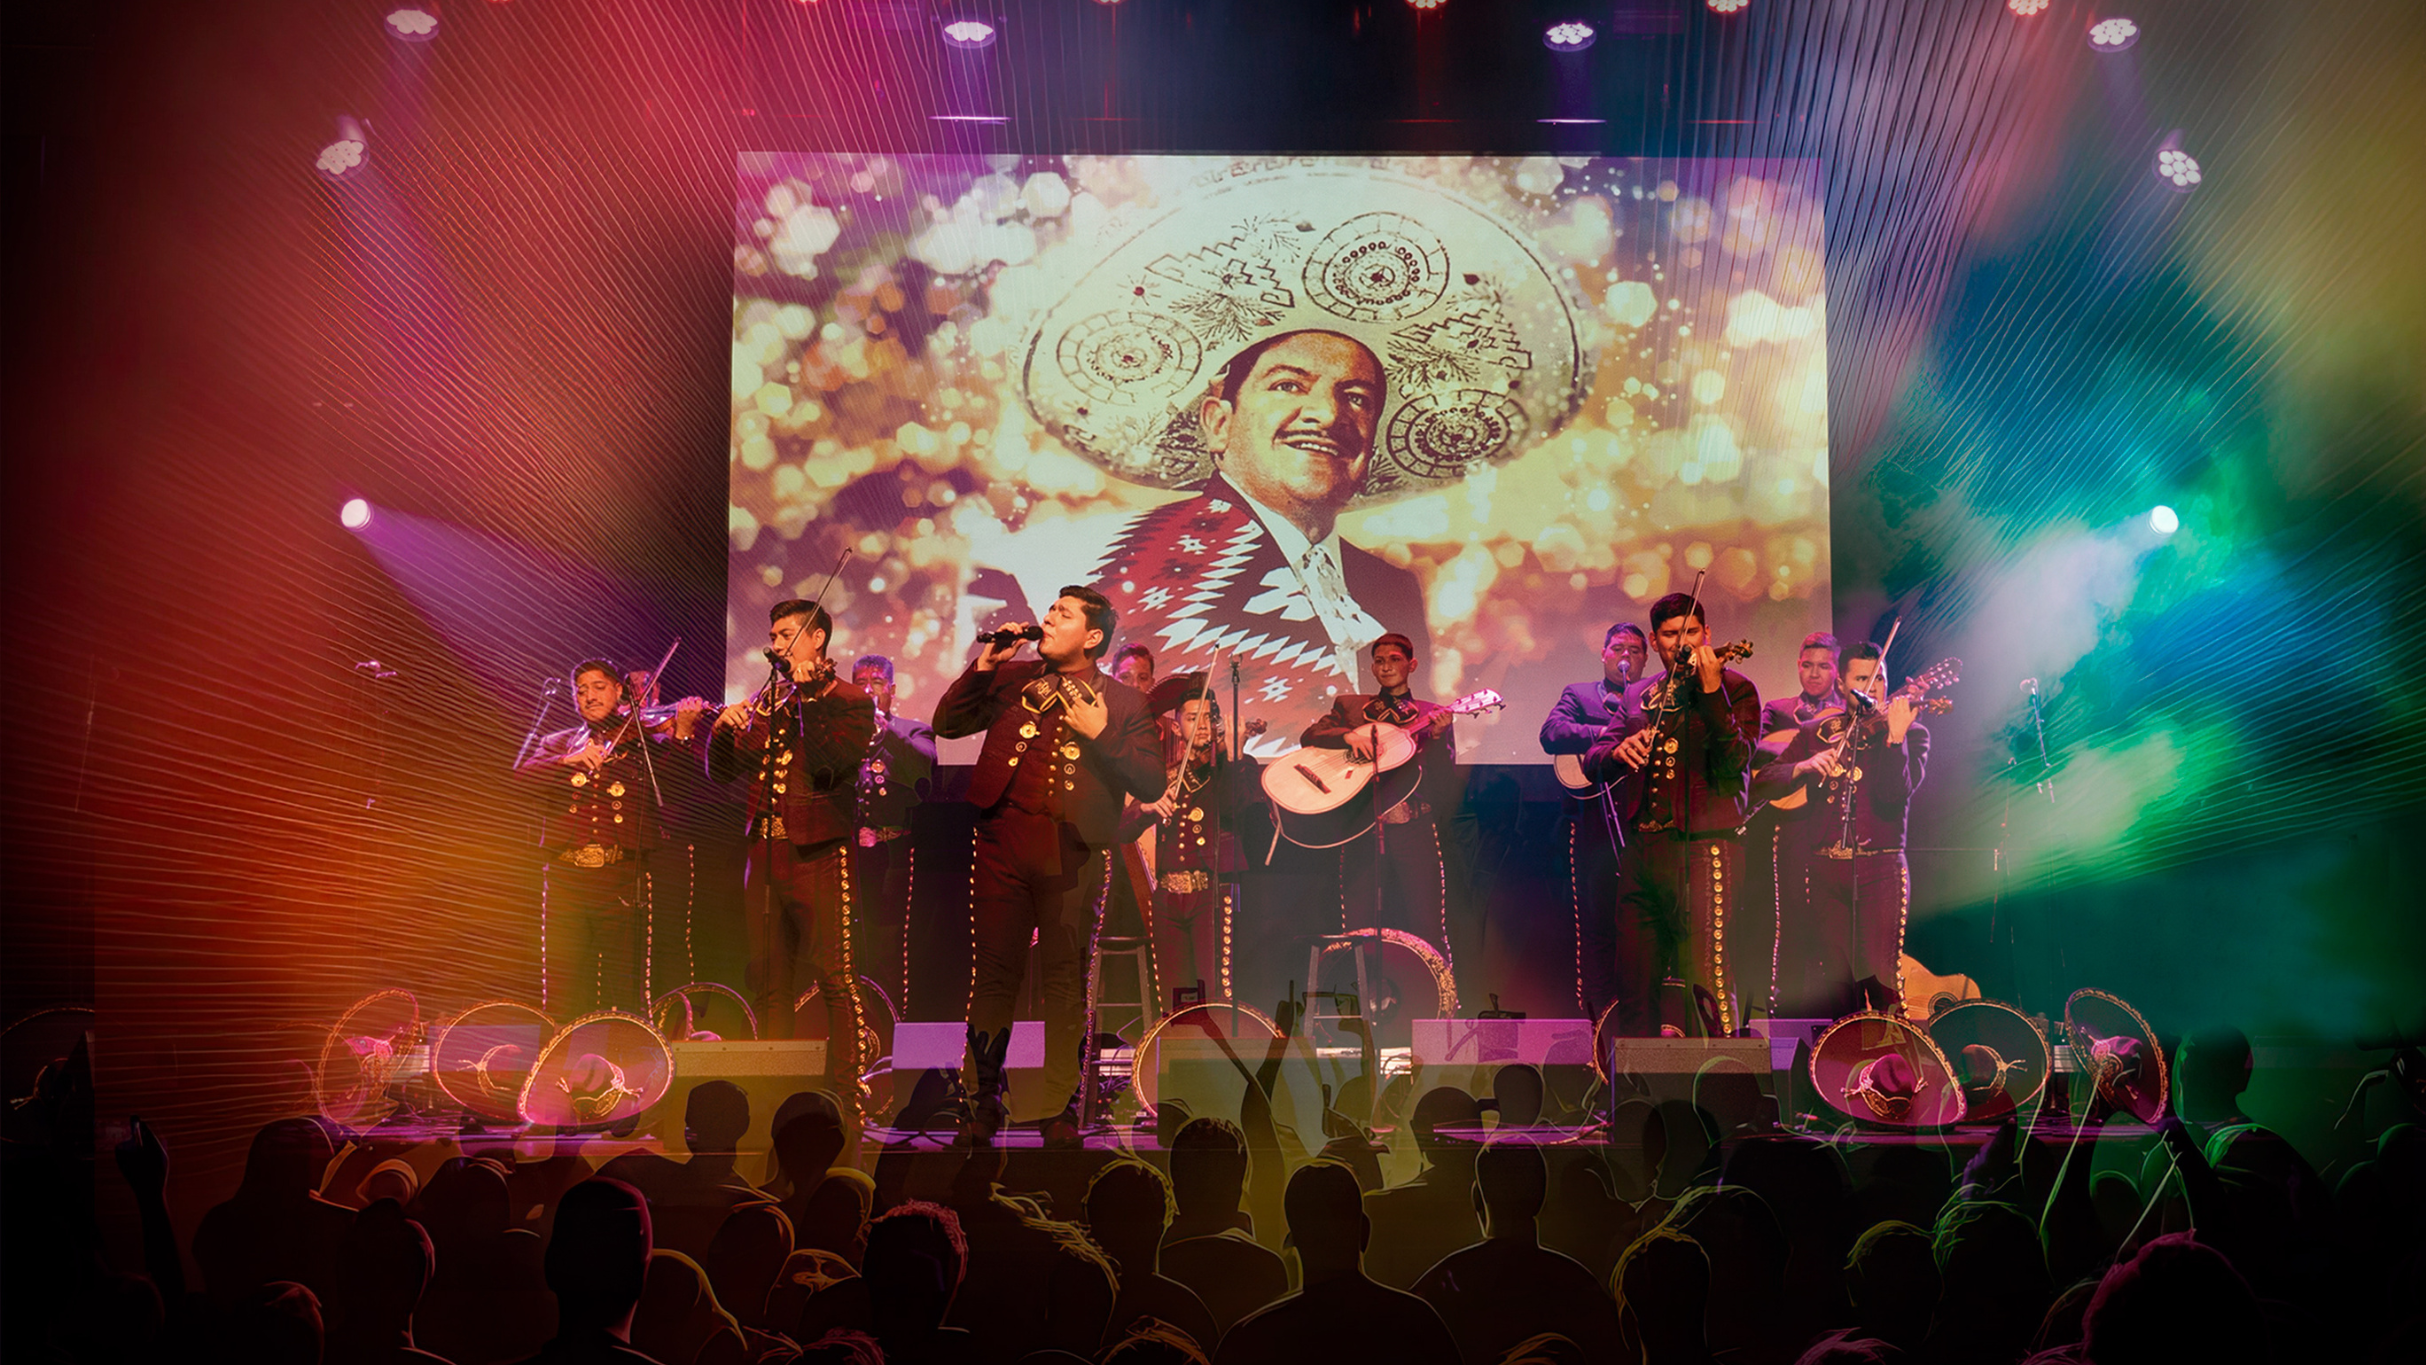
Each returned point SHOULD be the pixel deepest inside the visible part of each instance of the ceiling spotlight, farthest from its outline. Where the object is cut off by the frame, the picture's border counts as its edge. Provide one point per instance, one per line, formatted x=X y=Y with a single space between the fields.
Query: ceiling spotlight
x=2026 y=8
x=2113 y=35
x=346 y=155
x=2178 y=169
x=1573 y=35
x=412 y=23
x=2164 y=520
x=968 y=32
x=1727 y=6
x=1426 y=4
x=355 y=515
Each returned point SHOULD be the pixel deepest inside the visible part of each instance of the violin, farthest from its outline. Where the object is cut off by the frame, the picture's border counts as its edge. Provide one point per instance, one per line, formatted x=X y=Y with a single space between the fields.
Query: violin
x=1839 y=728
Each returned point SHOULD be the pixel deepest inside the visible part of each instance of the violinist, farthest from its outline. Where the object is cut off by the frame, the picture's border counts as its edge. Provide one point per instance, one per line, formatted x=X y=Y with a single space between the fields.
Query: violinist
x=605 y=774
x=800 y=743
x=1402 y=884
x=1862 y=764
x=892 y=780
x=1679 y=747
x=1194 y=840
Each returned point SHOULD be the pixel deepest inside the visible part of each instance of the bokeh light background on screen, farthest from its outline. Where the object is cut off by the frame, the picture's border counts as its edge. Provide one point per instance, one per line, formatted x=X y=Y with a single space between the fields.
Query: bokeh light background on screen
x=881 y=304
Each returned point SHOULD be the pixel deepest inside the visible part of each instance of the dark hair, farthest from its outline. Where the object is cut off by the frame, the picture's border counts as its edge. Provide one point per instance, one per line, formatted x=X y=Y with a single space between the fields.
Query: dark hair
x=1865 y=650
x=1122 y=653
x=916 y=1230
x=1208 y=1162
x=1819 y=639
x=1625 y=628
x=1677 y=604
x=1130 y=1189
x=1322 y=1196
x=1234 y=375
x=1513 y=1178
x=877 y=661
x=1394 y=638
x=623 y=685
x=800 y=606
x=1100 y=615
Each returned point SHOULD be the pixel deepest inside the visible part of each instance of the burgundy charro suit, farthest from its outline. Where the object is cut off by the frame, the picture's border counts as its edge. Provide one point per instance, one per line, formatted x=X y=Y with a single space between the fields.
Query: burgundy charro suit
x=1048 y=802
x=803 y=760
x=1404 y=884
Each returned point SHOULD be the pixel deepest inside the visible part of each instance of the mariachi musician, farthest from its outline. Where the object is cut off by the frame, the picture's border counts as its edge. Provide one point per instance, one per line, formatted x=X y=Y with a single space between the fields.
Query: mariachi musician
x=1861 y=765
x=1063 y=742
x=1785 y=828
x=1403 y=883
x=1679 y=748
x=1595 y=831
x=800 y=742
x=594 y=917
x=893 y=779
x=1194 y=840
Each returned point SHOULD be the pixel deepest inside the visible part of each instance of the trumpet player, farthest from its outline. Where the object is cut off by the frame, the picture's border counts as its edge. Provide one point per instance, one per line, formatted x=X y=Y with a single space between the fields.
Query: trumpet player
x=800 y=743
x=1840 y=946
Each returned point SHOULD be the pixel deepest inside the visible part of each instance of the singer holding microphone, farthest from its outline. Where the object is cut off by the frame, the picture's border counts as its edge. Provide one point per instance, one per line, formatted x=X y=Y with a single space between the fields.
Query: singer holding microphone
x=1062 y=746
x=800 y=741
x=1595 y=830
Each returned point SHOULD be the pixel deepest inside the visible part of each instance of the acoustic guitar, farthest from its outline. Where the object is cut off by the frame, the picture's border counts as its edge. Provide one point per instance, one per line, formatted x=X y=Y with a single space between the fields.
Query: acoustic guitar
x=1926 y=993
x=1312 y=783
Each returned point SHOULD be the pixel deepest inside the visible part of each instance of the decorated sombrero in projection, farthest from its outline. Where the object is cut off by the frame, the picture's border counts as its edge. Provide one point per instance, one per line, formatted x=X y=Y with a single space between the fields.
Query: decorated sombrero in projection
x=481 y=1057
x=601 y=1069
x=1482 y=344
x=1882 y=1070
x=2115 y=1047
x=363 y=1057
x=1998 y=1054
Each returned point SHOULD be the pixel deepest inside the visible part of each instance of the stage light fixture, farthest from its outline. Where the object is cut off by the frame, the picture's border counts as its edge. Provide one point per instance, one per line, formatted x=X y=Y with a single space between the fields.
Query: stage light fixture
x=355 y=515
x=2178 y=169
x=412 y=23
x=1571 y=35
x=1727 y=6
x=2164 y=520
x=968 y=32
x=2026 y=8
x=2113 y=35
x=347 y=154
x=1426 y=4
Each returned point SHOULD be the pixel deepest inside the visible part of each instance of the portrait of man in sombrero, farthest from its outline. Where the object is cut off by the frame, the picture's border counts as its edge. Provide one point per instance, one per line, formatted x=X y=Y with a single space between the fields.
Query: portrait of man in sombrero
x=1287 y=364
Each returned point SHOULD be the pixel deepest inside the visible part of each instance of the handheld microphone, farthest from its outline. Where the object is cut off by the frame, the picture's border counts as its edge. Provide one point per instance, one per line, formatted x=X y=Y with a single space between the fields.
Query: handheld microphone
x=1010 y=635
x=2031 y=686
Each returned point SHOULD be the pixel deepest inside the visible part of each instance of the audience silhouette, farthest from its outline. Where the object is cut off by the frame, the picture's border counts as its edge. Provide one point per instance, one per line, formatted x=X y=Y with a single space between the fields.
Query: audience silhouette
x=1670 y=1236
x=1507 y=1286
x=1339 y=1314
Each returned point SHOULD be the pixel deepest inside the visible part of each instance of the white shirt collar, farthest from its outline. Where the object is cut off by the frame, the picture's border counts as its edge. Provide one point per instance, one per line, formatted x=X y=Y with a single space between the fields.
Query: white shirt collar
x=1285 y=534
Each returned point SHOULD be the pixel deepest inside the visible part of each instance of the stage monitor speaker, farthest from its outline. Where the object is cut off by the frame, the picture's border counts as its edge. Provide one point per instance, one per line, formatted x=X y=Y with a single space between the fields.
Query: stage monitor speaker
x=769 y=1071
x=1719 y=1074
